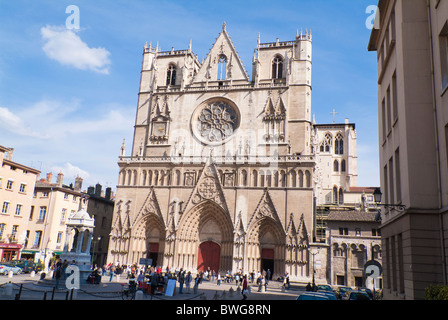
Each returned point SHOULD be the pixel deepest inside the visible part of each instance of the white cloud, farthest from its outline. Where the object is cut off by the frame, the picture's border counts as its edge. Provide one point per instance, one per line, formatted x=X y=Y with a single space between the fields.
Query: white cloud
x=67 y=48
x=14 y=123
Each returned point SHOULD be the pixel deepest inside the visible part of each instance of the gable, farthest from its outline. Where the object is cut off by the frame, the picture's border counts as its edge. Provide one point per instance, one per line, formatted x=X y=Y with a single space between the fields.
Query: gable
x=210 y=69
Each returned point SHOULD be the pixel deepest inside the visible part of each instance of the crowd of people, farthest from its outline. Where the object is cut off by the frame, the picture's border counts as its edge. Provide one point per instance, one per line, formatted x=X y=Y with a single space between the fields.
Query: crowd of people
x=155 y=278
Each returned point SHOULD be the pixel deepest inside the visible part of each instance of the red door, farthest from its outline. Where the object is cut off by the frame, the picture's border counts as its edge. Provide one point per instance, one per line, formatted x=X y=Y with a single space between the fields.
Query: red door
x=209 y=256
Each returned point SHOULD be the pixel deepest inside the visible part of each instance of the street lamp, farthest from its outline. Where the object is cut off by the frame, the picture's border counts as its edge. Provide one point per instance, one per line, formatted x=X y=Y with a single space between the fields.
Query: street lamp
x=377 y=197
x=314 y=270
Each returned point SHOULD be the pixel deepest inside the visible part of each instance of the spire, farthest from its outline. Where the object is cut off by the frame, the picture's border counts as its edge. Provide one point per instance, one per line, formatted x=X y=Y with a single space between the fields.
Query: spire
x=189 y=46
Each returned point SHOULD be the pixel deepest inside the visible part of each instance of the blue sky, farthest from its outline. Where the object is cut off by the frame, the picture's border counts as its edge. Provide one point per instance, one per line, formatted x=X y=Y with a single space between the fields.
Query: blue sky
x=68 y=97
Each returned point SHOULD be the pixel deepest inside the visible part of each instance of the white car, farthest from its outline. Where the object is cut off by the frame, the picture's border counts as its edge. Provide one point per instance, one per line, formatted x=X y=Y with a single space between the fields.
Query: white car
x=5 y=268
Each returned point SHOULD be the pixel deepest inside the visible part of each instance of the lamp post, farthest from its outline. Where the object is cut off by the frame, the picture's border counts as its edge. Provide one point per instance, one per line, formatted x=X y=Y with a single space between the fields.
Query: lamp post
x=314 y=270
x=377 y=195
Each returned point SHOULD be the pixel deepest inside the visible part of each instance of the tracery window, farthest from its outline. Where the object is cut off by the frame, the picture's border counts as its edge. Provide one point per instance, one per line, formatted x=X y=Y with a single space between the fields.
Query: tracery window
x=171 y=75
x=339 y=144
x=341 y=196
x=222 y=65
x=335 y=166
x=326 y=143
x=277 y=68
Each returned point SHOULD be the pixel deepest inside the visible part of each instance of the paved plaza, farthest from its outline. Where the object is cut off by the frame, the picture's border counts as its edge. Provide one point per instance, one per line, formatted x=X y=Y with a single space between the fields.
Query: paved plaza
x=26 y=287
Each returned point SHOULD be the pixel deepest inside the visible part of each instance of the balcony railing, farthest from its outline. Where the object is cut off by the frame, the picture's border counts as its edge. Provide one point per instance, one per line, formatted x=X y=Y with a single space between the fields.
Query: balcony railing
x=225 y=160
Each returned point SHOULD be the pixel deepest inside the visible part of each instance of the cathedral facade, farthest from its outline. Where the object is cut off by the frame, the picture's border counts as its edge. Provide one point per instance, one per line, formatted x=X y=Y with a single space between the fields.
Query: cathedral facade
x=221 y=171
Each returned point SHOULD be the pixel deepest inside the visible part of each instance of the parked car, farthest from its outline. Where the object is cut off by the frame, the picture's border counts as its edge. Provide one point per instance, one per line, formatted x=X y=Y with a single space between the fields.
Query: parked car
x=341 y=291
x=368 y=291
x=5 y=268
x=324 y=287
x=313 y=296
x=330 y=294
x=356 y=295
x=38 y=266
x=26 y=265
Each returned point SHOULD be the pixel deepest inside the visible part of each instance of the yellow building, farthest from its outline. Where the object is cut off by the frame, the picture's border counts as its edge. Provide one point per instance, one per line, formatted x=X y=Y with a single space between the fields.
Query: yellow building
x=16 y=196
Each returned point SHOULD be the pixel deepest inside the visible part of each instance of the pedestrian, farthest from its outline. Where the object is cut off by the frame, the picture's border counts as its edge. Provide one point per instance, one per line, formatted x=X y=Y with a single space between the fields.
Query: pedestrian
x=286 y=281
x=244 y=291
x=154 y=282
x=57 y=275
x=188 y=279
x=308 y=287
x=140 y=279
x=196 y=284
x=181 y=280
x=111 y=272
x=218 y=281
x=64 y=269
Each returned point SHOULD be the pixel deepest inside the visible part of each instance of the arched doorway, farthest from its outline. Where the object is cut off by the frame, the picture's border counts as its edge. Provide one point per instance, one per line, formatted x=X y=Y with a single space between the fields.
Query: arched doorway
x=209 y=255
x=267 y=260
x=153 y=252
x=202 y=225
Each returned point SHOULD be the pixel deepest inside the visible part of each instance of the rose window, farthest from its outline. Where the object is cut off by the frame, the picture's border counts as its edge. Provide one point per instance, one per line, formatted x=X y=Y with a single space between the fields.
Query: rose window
x=216 y=122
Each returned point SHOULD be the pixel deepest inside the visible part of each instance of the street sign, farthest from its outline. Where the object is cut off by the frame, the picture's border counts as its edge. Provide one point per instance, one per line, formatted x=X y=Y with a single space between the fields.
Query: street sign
x=373 y=269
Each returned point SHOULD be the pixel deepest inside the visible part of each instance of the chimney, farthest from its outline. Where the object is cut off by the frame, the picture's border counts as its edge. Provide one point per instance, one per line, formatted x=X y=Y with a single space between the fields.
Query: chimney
x=98 y=189
x=78 y=183
x=49 y=177
x=90 y=190
x=60 y=179
x=9 y=154
x=108 y=193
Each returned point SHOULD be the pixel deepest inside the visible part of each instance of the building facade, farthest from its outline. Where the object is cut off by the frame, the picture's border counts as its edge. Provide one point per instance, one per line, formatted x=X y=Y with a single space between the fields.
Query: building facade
x=16 y=195
x=411 y=47
x=100 y=206
x=354 y=239
x=53 y=203
x=336 y=161
x=220 y=174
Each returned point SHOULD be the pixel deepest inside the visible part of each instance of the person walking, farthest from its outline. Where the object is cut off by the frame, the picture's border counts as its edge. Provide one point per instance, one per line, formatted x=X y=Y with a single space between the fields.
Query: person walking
x=244 y=291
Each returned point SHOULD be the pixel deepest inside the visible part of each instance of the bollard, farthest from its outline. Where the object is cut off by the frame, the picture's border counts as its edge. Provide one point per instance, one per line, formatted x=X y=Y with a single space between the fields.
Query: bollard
x=32 y=274
x=10 y=274
x=139 y=295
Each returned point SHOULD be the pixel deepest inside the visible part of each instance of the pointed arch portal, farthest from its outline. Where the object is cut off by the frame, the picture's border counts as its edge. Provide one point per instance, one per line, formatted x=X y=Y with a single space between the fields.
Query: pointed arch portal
x=209 y=254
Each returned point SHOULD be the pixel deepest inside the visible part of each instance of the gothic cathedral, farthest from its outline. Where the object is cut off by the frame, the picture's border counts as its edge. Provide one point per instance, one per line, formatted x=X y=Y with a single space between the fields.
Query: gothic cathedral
x=221 y=169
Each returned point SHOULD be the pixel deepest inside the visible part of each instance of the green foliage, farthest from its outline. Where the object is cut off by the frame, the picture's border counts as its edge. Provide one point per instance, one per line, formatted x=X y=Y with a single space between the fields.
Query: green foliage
x=436 y=292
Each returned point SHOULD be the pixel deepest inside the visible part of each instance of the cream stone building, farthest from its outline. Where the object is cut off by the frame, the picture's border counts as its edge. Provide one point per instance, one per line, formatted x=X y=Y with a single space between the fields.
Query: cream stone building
x=410 y=39
x=53 y=203
x=220 y=174
x=17 y=183
x=336 y=161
